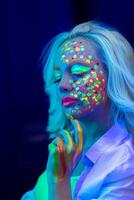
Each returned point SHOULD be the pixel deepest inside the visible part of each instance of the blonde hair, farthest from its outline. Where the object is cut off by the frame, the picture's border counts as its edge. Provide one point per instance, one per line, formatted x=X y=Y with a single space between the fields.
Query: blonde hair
x=118 y=56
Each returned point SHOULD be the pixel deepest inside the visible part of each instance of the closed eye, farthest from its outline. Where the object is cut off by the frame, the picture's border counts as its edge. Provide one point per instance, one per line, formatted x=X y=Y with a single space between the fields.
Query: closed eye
x=57 y=78
x=79 y=70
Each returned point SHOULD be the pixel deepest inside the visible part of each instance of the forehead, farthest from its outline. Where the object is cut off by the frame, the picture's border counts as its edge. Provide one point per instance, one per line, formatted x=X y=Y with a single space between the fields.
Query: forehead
x=77 y=49
x=79 y=45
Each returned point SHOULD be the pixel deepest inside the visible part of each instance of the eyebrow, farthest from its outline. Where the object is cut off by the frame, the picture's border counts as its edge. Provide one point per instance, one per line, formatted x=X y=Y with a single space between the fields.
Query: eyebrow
x=57 y=68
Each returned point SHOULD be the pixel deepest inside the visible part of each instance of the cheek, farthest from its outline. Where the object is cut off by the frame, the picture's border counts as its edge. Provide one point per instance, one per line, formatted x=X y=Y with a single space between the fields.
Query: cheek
x=91 y=90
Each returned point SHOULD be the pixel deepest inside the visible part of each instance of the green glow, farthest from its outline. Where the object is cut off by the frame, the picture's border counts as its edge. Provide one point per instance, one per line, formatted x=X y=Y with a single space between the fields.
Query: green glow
x=81 y=56
x=51 y=148
x=70 y=81
x=57 y=77
x=88 y=76
x=77 y=69
x=96 y=66
x=98 y=82
x=99 y=96
x=89 y=94
x=86 y=103
x=101 y=72
x=94 y=75
x=82 y=49
x=76 y=107
x=75 y=56
x=71 y=51
x=79 y=92
x=90 y=57
x=83 y=95
x=71 y=94
x=88 y=88
x=92 y=87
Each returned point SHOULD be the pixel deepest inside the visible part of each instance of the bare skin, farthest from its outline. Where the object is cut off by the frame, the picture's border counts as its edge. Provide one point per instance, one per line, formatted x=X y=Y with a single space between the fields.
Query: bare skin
x=65 y=153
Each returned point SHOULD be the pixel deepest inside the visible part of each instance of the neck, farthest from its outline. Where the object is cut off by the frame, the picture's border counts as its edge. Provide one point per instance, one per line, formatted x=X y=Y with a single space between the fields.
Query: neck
x=94 y=127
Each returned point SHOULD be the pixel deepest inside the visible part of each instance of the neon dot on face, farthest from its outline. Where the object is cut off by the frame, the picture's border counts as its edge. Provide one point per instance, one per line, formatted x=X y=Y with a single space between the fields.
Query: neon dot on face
x=89 y=87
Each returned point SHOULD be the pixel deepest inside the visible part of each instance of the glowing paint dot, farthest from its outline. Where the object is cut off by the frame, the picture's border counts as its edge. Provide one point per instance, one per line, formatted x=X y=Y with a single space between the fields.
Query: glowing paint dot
x=71 y=51
x=68 y=49
x=86 y=98
x=89 y=94
x=89 y=56
x=75 y=56
x=87 y=76
x=63 y=56
x=79 y=92
x=77 y=88
x=81 y=56
x=92 y=86
x=75 y=95
x=96 y=66
x=98 y=82
x=99 y=96
x=82 y=89
x=101 y=72
x=66 y=60
x=94 y=75
x=70 y=81
x=97 y=86
x=82 y=48
x=88 y=61
x=71 y=94
x=86 y=103
x=103 y=80
x=84 y=79
x=97 y=102
x=97 y=78
x=91 y=81
x=83 y=95
x=78 y=82
x=74 y=42
x=77 y=49
x=76 y=107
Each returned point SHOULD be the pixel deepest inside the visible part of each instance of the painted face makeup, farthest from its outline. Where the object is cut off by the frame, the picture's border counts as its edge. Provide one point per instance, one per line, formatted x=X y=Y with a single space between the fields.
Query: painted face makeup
x=87 y=77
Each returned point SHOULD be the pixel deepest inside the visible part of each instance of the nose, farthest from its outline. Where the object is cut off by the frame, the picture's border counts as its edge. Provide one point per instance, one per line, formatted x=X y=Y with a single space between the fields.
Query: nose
x=66 y=82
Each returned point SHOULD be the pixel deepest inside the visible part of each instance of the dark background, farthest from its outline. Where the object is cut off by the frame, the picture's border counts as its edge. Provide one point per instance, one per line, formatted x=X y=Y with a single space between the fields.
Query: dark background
x=25 y=28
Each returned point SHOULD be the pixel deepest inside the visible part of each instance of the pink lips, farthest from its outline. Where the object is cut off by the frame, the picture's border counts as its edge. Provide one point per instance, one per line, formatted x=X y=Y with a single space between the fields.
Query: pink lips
x=68 y=101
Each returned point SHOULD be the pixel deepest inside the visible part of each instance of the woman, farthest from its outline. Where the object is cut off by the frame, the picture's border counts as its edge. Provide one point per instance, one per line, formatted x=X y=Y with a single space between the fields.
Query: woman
x=89 y=78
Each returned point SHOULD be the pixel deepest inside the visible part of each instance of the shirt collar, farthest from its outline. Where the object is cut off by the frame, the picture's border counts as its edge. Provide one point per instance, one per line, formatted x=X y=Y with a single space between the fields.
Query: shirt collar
x=112 y=138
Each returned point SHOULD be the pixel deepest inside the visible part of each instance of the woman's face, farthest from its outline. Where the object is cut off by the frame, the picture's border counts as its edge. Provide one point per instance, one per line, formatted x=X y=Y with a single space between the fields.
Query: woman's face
x=80 y=78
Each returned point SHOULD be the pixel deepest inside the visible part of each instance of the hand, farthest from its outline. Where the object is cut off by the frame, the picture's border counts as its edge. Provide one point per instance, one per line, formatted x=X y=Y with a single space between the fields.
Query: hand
x=64 y=153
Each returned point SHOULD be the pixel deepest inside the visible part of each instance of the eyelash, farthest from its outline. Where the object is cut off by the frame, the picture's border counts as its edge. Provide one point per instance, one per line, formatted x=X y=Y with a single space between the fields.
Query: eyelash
x=74 y=75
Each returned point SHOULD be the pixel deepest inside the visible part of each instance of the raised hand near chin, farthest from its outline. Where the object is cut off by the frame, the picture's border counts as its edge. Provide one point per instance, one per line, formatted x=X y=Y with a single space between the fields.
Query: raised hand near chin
x=64 y=153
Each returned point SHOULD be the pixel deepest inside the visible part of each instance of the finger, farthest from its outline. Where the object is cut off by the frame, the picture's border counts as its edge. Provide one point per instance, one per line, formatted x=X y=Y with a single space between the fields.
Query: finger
x=78 y=134
x=53 y=160
x=79 y=139
x=62 y=159
x=68 y=140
